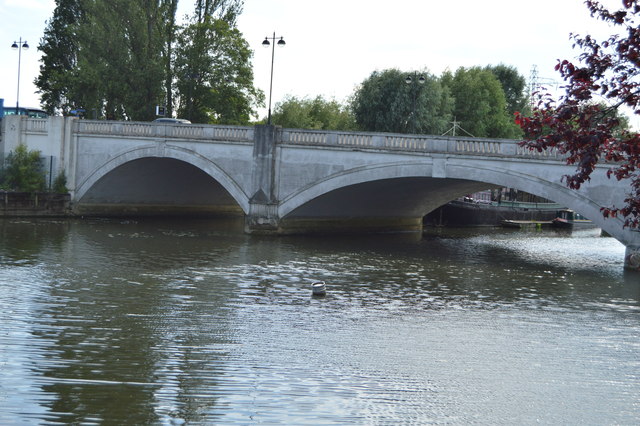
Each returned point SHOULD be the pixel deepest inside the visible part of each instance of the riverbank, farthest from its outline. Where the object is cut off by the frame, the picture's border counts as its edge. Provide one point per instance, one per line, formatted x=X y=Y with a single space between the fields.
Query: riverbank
x=39 y=204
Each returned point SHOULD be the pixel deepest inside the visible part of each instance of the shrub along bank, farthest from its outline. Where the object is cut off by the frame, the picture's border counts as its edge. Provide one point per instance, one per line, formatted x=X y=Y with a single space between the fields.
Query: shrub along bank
x=23 y=189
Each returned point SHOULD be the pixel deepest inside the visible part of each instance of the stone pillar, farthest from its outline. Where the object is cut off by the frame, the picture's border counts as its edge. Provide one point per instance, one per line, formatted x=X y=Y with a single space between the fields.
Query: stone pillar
x=13 y=133
x=263 y=204
x=632 y=258
x=68 y=153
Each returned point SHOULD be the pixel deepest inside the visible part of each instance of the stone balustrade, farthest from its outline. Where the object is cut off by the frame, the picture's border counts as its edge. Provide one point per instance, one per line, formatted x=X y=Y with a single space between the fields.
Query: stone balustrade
x=415 y=143
x=354 y=140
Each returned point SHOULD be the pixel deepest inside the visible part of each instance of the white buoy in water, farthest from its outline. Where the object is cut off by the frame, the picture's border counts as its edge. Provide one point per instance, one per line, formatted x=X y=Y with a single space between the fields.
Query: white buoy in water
x=318 y=288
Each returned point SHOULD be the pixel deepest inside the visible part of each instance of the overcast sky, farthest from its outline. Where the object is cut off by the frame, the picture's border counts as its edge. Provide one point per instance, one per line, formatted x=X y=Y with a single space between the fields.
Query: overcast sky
x=333 y=45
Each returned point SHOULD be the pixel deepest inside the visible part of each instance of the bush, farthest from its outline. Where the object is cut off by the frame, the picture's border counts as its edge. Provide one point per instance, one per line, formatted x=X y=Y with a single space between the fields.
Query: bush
x=23 y=171
x=60 y=183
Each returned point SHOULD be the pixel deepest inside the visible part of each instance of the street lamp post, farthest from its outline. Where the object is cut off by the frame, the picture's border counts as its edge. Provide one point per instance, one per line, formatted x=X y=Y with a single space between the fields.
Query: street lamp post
x=414 y=78
x=266 y=43
x=19 y=46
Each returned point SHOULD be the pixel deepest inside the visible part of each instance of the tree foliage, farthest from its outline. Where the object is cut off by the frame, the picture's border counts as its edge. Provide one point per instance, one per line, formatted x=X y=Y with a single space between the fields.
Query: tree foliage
x=23 y=171
x=215 y=78
x=60 y=183
x=169 y=30
x=514 y=87
x=59 y=47
x=226 y=10
x=480 y=103
x=384 y=102
x=317 y=113
x=578 y=125
x=121 y=58
x=122 y=47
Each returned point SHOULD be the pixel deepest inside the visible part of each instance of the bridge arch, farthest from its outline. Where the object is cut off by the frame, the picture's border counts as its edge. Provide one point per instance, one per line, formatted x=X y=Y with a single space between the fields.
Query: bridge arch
x=489 y=172
x=162 y=151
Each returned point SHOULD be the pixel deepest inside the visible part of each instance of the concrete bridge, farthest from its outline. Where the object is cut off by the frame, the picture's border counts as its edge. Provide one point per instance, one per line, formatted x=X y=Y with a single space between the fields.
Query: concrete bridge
x=292 y=181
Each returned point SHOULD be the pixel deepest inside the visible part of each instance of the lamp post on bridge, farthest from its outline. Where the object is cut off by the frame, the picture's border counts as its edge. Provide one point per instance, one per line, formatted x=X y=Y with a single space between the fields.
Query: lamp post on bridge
x=266 y=43
x=19 y=46
x=415 y=79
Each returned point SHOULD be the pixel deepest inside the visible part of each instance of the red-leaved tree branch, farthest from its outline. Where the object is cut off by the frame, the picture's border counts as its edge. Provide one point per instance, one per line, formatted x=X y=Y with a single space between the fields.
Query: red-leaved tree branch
x=585 y=123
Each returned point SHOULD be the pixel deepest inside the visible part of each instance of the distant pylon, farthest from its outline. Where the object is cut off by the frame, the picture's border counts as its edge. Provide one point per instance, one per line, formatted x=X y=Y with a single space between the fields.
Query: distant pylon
x=536 y=83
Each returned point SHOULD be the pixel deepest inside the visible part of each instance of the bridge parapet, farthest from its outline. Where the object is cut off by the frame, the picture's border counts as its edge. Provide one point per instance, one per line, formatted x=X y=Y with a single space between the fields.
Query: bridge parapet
x=358 y=140
x=37 y=125
x=165 y=131
x=416 y=143
x=551 y=153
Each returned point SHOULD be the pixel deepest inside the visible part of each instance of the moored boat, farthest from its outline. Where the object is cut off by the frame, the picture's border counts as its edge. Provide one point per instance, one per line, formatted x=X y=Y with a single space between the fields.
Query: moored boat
x=525 y=224
x=469 y=212
x=568 y=219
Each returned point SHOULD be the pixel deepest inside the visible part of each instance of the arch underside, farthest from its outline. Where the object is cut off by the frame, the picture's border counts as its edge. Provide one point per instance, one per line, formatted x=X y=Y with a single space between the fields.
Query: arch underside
x=140 y=184
x=413 y=193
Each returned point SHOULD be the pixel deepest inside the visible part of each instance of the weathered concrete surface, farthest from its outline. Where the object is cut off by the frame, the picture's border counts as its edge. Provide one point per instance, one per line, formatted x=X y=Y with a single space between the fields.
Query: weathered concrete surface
x=262 y=216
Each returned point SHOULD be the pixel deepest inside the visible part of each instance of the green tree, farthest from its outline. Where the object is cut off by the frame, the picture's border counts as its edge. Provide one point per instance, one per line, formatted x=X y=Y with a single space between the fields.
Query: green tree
x=23 y=171
x=384 y=102
x=215 y=78
x=316 y=113
x=118 y=59
x=169 y=32
x=514 y=87
x=60 y=183
x=59 y=47
x=106 y=57
x=480 y=104
x=227 y=10
x=121 y=58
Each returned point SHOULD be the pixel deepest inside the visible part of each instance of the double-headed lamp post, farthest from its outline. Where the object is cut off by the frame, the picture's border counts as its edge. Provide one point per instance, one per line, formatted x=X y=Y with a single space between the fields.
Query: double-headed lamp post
x=19 y=46
x=414 y=78
x=267 y=43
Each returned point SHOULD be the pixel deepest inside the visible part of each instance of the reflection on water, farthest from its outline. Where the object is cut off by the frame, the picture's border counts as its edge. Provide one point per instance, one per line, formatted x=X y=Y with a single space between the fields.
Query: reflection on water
x=170 y=322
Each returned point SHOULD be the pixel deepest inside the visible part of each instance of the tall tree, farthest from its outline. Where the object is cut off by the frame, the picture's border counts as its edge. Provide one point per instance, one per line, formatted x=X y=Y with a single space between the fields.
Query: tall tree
x=514 y=87
x=169 y=29
x=384 y=102
x=119 y=59
x=578 y=125
x=227 y=10
x=122 y=47
x=105 y=57
x=59 y=47
x=480 y=104
x=215 y=78
x=316 y=113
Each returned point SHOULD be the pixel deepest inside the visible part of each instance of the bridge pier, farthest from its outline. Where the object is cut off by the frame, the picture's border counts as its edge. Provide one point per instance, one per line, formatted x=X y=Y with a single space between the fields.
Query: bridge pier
x=263 y=204
x=632 y=258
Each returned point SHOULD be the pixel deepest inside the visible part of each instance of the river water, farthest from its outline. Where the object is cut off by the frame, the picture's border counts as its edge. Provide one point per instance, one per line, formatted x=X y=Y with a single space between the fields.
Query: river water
x=195 y=322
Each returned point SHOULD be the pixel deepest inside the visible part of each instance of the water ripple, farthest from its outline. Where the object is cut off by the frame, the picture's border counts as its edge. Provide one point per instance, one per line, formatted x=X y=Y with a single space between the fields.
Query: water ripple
x=164 y=323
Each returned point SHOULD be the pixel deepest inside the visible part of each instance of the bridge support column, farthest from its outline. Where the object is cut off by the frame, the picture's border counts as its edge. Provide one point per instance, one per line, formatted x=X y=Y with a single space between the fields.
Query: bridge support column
x=263 y=204
x=632 y=258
